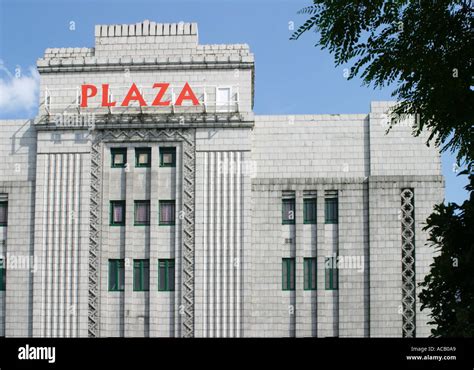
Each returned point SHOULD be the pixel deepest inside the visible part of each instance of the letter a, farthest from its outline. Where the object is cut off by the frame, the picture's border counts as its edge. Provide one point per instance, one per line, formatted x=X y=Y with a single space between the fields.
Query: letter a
x=134 y=94
x=21 y=353
x=187 y=94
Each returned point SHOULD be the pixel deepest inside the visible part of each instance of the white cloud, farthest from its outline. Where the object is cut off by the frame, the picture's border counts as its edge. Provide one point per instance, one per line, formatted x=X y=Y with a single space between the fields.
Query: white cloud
x=18 y=91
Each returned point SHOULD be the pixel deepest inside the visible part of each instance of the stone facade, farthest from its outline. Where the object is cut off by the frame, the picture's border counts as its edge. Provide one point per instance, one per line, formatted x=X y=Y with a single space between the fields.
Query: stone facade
x=232 y=172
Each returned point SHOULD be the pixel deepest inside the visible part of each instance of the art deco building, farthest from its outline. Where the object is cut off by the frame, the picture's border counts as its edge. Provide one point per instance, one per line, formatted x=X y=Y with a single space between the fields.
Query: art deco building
x=204 y=219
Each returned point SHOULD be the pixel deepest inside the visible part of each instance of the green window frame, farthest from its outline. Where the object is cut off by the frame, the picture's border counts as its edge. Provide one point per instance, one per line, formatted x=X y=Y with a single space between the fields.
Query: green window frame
x=164 y=159
x=288 y=274
x=4 y=213
x=288 y=214
x=3 y=275
x=138 y=153
x=141 y=275
x=331 y=211
x=310 y=273
x=167 y=218
x=166 y=275
x=309 y=210
x=142 y=203
x=331 y=274
x=116 y=275
x=114 y=155
x=113 y=204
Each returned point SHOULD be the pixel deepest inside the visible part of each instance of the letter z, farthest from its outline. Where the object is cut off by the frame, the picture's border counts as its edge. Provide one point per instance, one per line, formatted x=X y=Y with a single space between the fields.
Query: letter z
x=163 y=87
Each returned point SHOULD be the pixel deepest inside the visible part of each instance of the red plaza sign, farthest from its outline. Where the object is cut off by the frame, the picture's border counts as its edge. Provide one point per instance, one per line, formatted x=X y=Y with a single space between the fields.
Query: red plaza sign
x=134 y=94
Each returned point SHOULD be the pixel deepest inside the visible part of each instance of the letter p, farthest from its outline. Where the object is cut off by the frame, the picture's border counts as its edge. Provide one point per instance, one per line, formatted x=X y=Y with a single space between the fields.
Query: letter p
x=84 y=94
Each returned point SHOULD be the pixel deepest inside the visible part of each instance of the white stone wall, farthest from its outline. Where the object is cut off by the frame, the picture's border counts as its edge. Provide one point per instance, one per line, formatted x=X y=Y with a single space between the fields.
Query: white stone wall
x=17 y=174
x=304 y=313
x=351 y=154
x=399 y=152
x=302 y=146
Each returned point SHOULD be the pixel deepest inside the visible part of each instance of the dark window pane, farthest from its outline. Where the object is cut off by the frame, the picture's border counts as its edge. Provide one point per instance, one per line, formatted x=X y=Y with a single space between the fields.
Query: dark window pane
x=142 y=212
x=306 y=273
x=162 y=276
x=121 y=275
x=119 y=157
x=141 y=275
x=310 y=273
x=288 y=273
x=309 y=211
x=331 y=274
x=166 y=275
x=292 y=274
x=3 y=213
x=288 y=210
x=146 y=275
x=137 y=278
x=167 y=157
x=143 y=157
x=313 y=273
x=116 y=275
x=171 y=275
x=167 y=212
x=285 y=274
x=2 y=275
x=331 y=210
x=117 y=212
x=327 y=277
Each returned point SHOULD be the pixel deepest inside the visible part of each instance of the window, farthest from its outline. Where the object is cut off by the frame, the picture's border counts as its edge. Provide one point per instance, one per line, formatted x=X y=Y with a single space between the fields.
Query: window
x=166 y=275
x=142 y=157
x=167 y=212
x=3 y=213
x=310 y=274
x=309 y=211
x=117 y=212
x=288 y=274
x=141 y=275
x=288 y=211
x=331 y=211
x=167 y=157
x=119 y=157
x=116 y=275
x=3 y=275
x=223 y=97
x=331 y=273
x=142 y=212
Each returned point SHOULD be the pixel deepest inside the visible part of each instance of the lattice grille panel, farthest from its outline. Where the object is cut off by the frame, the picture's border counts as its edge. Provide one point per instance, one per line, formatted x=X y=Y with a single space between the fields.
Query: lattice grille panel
x=408 y=263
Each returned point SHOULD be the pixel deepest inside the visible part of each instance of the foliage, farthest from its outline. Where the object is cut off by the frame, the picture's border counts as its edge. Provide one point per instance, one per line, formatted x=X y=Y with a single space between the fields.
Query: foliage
x=449 y=287
x=424 y=48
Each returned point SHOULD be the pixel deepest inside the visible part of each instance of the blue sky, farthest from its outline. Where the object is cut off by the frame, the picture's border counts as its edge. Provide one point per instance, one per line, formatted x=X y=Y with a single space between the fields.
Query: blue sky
x=292 y=77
